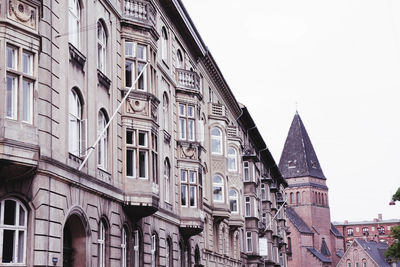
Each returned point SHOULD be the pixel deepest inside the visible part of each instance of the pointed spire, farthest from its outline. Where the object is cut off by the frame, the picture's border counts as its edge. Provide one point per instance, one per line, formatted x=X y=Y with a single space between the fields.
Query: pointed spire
x=298 y=158
x=324 y=248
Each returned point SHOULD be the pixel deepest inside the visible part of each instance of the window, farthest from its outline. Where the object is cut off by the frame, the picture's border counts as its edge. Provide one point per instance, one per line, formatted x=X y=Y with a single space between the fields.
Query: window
x=167 y=175
x=166 y=111
x=350 y=232
x=298 y=200
x=246 y=171
x=186 y=122
x=210 y=95
x=232 y=159
x=135 y=60
x=247 y=206
x=154 y=157
x=137 y=153
x=76 y=125
x=188 y=188
x=381 y=230
x=291 y=198
x=136 y=248
x=179 y=61
x=101 y=47
x=233 y=201
x=168 y=253
x=19 y=85
x=365 y=231
x=74 y=21
x=218 y=188
x=154 y=250
x=263 y=192
x=164 y=44
x=364 y=263
x=216 y=141
x=124 y=248
x=13 y=231
x=102 y=146
x=249 y=242
x=102 y=244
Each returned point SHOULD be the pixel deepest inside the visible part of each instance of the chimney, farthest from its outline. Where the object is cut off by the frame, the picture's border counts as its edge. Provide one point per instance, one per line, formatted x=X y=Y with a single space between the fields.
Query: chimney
x=380 y=216
x=346 y=222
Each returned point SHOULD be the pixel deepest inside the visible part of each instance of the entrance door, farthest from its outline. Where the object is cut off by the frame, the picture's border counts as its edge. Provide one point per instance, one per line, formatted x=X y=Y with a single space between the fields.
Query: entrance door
x=74 y=243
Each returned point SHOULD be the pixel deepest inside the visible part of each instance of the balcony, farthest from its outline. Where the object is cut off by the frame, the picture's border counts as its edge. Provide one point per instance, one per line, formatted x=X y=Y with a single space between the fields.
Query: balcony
x=140 y=11
x=141 y=198
x=188 y=82
x=19 y=150
x=192 y=225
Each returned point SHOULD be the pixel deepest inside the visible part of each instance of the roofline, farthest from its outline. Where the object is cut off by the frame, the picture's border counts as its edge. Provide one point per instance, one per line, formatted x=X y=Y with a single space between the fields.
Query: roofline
x=366 y=222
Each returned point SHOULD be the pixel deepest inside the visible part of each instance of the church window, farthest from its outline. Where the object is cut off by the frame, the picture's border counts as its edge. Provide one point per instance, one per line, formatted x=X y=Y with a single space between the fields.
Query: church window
x=365 y=231
x=298 y=200
x=350 y=232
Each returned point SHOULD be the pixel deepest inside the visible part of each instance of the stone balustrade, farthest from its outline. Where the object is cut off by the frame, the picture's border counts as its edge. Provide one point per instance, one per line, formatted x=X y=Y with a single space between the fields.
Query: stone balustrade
x=188 y=79
x=141 y=11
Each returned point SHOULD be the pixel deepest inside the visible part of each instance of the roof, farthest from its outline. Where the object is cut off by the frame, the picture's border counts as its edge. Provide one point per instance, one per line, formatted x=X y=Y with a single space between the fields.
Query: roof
x=299 y=153
x=324 y=248
x=297 y=221
x=339 y=253
x=375 y=251
x=319 y=255
x=335 y=231
x=394 y=221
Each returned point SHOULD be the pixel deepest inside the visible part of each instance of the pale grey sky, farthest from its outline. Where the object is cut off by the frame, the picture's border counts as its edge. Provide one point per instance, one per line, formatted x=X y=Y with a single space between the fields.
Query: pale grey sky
x=340 y=61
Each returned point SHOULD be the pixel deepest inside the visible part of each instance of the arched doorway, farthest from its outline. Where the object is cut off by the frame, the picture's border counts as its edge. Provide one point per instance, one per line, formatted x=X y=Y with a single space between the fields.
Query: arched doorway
x=74 y=242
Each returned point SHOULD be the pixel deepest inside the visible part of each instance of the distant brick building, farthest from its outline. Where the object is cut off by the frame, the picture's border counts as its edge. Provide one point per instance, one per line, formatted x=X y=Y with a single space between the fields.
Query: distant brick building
x=377 y=230
x=313 y=240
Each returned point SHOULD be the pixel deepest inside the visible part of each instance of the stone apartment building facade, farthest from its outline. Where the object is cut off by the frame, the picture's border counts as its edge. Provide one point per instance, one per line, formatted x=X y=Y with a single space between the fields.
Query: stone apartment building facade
x=181 y=177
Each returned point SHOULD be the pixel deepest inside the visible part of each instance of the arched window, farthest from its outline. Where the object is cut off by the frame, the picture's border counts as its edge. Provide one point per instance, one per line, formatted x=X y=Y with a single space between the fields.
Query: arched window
x=291 y=198
x=137 y=241
x=102 y=244
x=75 y=124
x=74 y=20
x=124 y=247
x=166 y=112
x=298 y=200
x=216 y=141
x=164 y=44
x=232 y=159
x=167 y=175
x=218 y=188
x=154 y=250
x=233 y=200
x=102 y=146
x=179 y=63
x=13 y=231
x=168 y=253
x=101 y=47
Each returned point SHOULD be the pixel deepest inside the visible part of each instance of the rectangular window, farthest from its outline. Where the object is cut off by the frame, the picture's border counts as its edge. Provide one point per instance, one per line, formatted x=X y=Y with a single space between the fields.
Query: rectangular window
x=187 y=122
x=11 y=97
x=136 y=247
x=12 y=57
x=129 y=73
x=188 y=188
x=135 y=61
x=249 y=242
x=27 y=99
x=137 y=155
x=247 y=207
x=142 y=164
x=27 y=63
x=246 y=171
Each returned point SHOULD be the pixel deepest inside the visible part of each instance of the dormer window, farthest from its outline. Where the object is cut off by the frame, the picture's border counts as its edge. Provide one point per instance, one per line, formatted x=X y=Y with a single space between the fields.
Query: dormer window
x=292 y=164
x=314 y=164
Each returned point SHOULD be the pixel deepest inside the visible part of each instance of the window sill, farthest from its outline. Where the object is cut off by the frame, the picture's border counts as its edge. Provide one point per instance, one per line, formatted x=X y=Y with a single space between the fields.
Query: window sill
x=76 y=56
x=75 y=158
x=167 y=137
x=103 y=79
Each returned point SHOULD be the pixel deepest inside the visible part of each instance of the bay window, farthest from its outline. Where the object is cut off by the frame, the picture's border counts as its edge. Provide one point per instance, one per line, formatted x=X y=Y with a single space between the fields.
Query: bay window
x=186 y=122
x=135 y=61
x=137 y=154
x=218 y=188
x=249 y=242
x=246 y=171
x=13 y=231
x=233 y=201
x=188 y=188
x=232 y=159
x=19 y=84
x=247 y=207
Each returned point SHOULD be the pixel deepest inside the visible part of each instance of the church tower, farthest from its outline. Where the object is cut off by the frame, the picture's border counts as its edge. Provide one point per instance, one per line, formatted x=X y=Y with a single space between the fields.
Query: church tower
x=307 y=201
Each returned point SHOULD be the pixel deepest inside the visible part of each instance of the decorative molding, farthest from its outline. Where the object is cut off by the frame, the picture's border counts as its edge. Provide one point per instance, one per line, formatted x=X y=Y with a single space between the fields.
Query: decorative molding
x=22 y=13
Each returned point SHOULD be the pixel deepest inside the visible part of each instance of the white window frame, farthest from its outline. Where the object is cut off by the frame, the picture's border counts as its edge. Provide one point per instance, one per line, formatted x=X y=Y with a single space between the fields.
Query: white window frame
x=246 y=171
x=74 y=20
x=166 y=116
x=136 y=248
x=164 y=44
x=263 y=192
x=17 y=228
x=234 y=197
x=102 y=244
x=249 y=241
x=247 y=207
x=153 y=250
x=232 y=159
x=75 y=125
x=124 y=247
x=167 y=252
x=103 y=142
x=184 y=188
x=136 y=57
x=179 y=59
x=167 y=179
x=101 y=47
x=216 y=141
x=218 y=186
x=187 y=122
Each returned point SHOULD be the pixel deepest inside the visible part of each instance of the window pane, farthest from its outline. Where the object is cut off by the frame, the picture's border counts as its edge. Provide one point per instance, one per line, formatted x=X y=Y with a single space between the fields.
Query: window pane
x=143 y=164
x=8 y=250
x=141 y=52
x=192 y=196
x=129 y=49
x=21 y=244
x=190 y=111
x=233 y=205
x=27 y=101
x=11 y=97
x=142 y=139
x=21 y=216
x=129 y=70
x=181 y=110
x=191 y=130
x=216 y=145
x=217 y=191
x=11 y=58
x=182 y=128
x=27 y=63
x=9 y=212
x=183 y=195
x=130 y=137
x=192 y=177
x=130 y=162
x=183 y=176
x=142 y=80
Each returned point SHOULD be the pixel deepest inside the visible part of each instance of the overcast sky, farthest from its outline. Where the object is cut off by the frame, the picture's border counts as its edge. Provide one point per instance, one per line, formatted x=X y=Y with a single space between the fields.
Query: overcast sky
x=340 y=61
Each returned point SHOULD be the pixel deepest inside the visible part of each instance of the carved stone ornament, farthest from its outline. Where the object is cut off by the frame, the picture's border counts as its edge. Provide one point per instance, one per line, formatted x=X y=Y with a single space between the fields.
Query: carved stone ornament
x=188 y=152
x=136 y=106
x=22 y=13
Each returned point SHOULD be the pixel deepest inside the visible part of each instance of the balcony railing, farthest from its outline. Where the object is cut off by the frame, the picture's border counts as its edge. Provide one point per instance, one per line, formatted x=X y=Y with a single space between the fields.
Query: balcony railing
x=141 y=11
x=188 y=79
